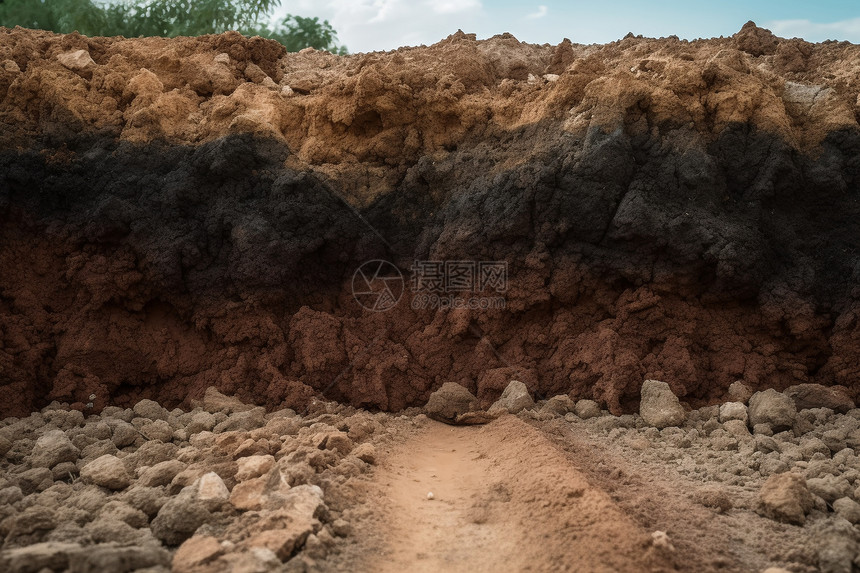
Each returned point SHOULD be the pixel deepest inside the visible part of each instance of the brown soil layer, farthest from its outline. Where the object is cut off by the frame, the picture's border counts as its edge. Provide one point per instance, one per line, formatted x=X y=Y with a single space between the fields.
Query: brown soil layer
x=184 y=213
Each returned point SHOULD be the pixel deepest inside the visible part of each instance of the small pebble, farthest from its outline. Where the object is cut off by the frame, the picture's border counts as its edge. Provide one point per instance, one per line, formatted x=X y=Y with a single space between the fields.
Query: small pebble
x=430 y=495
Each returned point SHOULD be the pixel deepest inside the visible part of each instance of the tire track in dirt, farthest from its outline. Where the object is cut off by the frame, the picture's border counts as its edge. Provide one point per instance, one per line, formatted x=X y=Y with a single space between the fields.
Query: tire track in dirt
x=505 y=499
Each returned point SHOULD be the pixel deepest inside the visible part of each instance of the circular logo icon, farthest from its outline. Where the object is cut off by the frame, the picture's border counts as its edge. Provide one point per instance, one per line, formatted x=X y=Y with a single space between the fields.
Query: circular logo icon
x=377 y=285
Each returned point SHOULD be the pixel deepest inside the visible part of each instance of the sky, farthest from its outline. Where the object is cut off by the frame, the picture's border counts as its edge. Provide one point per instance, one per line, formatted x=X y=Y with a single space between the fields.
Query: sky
x=369 y=25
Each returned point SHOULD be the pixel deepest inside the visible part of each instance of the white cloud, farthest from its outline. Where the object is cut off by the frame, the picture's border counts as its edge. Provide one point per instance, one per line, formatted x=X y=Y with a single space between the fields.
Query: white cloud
x=817 y=31
x=367 y=25
x=541 y=12
x=454 y=6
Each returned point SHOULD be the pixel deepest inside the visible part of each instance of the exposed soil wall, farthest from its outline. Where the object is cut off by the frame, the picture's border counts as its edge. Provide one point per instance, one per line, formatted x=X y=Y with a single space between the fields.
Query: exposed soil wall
x=190 y=212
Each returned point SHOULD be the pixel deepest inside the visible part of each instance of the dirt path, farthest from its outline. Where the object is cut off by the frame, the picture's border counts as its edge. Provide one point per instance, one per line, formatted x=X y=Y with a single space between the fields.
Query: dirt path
x=505 y=499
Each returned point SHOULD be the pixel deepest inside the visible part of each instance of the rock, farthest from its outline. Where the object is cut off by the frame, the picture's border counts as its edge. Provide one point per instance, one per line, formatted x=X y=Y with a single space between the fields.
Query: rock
x=836 y=551
x=36 y=479
x=149 y=500
x=151 y=453
x=159 y=430
x=31 y=520
x=53 y=448
x=150 y=410
x=810 y=445
x=242 y=421
x=161 y=473
x=77 y=60
x=196 y=552
x=660 y=407
x=97 y=430
x=514 y=399
x=123 y=434
x=255 y=74
x=337 y=441
x=201 y=422
x=755 y=41
x=109 y=530
x=739 y=392
x=829 y=487
x=214 y=402
x=253 y=494
x=772 y=465
x=772 y=408
x=733 y=411
x=51 y=555
x=835 y=440
x=256 y=560
x=106 y=471
x=211 y=490
x=474 y=418
x=808 y=396
x=587 y=409
x=253 y=466
x=64 y=471
x=848 y=509
x=90 y=498
x=449 y=402
x=121 y=511
x=765 y=444
x=11 y=66
x=283 y=542
x=762 y=430
x=5 y=446
x=110 y=557
x=558 y=405
x=95 y=450
x=737 y=429
x=341 y=528
x=184 y=479
x=785 y=497
x=10 y=495
x=179 y=518
x=661 y=541
x=293 y=522
x=714 y=498
x=366 y=453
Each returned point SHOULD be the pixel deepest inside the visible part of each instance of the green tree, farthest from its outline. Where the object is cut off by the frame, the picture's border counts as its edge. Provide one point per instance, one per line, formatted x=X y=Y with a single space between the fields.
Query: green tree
x=297 y=33
x=170 y=18
x=62 y=16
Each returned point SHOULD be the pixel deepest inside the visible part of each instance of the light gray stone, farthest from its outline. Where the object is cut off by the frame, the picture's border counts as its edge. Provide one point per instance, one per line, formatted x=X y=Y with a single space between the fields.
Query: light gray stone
x=53 y=448
x=587 y=409
x=772 y=408
x=449 y=402
x=161 y=473
x=514 y=399
x=848 y=509
x=733 y=411
x=660 y=407
x=106 y=471
x=150 y=410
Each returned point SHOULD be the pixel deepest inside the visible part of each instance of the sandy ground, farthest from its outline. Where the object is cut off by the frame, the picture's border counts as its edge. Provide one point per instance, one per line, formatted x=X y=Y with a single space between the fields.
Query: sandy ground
x=548 y=495
x=504 y=499
x=343 y=489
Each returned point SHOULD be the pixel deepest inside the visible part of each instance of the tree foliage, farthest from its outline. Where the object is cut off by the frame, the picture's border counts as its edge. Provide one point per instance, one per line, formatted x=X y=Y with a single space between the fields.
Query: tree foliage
x=132 y=18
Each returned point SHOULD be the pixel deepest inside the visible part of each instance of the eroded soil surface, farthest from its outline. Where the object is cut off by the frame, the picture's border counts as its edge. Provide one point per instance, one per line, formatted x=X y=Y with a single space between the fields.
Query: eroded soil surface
x=186 y=213
x=227 y=487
